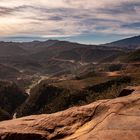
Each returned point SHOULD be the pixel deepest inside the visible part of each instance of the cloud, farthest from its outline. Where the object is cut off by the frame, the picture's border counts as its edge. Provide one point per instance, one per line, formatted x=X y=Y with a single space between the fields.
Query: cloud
x=69 y=17
x=132 y=25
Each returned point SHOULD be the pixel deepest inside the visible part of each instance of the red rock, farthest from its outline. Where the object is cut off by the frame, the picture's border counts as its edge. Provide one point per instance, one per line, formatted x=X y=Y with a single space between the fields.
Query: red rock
x=114 y=119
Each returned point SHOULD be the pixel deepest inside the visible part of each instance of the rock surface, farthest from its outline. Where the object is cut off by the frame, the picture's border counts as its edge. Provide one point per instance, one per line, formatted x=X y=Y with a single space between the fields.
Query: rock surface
x=102 y=120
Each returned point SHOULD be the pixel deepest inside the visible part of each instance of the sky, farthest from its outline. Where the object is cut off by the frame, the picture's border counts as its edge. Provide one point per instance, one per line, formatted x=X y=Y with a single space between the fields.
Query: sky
x=84 y=21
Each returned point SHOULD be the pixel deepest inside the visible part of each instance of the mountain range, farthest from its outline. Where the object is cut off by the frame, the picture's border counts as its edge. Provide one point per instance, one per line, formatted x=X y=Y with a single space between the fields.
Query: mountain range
x=16 y=48
x=40 y=80
x=54 y=56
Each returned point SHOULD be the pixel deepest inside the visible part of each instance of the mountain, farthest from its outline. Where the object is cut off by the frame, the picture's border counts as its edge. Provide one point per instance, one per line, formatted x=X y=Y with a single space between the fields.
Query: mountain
x=54 y=49
x=54 y=56
x=7 y=72
x=51 y=56
x=133 y=56
x=130 y=43
x=43 y=51
x=88 y=54
x=63 y=51
x=10 y=49
x=110 y=119
x=36 y=46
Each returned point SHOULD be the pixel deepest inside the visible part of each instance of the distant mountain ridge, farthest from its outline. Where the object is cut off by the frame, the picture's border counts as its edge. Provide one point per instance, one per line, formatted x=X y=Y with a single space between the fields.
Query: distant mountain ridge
x=14 y=48
x=54 y=56
x=130 y=43
x=20 y=48
x=36 y=46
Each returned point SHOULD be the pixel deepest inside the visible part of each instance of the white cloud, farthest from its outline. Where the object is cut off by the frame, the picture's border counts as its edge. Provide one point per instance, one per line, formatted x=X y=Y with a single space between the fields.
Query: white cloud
x=68 y=17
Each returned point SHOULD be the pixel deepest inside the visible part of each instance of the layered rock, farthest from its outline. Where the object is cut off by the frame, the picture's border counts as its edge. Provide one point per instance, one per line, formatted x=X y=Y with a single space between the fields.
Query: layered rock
x=102 y=120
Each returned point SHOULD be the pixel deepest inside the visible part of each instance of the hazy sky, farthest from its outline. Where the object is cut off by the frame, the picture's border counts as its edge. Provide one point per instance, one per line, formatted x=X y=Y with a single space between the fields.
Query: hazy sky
x=88 y=21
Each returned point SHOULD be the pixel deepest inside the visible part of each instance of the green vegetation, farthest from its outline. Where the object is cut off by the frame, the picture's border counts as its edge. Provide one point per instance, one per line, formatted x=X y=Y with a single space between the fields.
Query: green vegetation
x=131 y=57
x=4 y=115
x=46 y=98
x=104 y=86
x=115 y=67
x=10 y=96
x=71 y=74
x=135 y=56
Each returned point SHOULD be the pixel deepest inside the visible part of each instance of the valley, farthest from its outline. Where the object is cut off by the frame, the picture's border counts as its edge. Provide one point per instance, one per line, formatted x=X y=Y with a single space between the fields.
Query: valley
x=52 y=76
x=69 y=70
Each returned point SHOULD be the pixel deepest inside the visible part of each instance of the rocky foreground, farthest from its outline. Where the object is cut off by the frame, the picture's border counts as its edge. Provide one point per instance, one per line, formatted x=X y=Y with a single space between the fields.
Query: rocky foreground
x=102 y=120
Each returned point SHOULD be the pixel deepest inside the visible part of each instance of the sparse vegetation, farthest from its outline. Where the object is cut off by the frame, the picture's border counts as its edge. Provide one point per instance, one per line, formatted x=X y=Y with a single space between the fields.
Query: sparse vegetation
x=46 y=98
x=11 y=96
x=4 y=115
x=61 y=74
x=115 y=67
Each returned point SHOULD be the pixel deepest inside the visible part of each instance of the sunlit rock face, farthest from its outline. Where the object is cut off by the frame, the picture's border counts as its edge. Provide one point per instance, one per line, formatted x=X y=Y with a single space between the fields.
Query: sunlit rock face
x=110 y=119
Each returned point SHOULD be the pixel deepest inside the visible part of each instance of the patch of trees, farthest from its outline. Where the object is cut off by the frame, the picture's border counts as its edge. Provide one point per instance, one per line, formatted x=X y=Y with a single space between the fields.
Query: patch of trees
x=11 y=97
x=48 y=99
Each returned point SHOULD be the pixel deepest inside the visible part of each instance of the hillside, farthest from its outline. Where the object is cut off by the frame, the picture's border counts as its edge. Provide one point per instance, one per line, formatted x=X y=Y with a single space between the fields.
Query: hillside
x=4 y=115
x=75 y=52
x=130 y=43
x=36 y=46
x=10 y=49
x=133 y=56
x=11 y=97
x=53 y=56
x=7 y=72
x=88 y=54
x=106 y=119
x=43 y=97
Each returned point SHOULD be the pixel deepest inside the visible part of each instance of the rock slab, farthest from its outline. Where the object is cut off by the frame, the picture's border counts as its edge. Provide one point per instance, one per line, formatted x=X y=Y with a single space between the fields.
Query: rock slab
x=111 y=119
